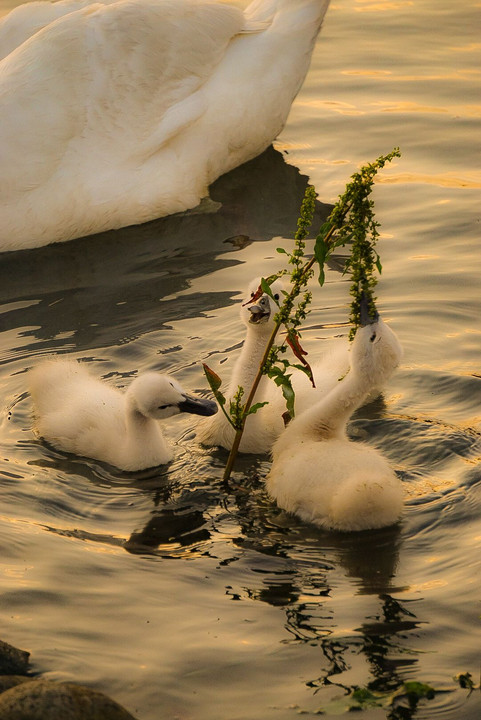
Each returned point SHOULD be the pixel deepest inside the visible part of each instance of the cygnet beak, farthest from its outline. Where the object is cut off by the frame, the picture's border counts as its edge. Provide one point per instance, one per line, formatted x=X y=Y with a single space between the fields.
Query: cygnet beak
x=368 y=317
x=197 y=405
x=261 y=311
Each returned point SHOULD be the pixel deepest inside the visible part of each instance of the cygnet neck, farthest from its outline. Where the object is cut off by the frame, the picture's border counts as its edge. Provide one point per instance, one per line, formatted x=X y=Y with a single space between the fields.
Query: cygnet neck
x=142 y=431
x=329 y=417
x=247 y=364
x=132 y=411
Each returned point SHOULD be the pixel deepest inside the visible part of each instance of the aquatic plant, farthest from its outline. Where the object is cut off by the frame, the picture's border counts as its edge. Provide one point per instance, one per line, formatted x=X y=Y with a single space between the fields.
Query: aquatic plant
x=465 y=681
x=352 y=221
x=400 y=704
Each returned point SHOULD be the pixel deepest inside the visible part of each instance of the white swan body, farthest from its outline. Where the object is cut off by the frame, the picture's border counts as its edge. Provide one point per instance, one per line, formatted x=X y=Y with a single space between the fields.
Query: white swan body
x=317 y=472
x=77 y=413
x=119 y=112
x=262 y=428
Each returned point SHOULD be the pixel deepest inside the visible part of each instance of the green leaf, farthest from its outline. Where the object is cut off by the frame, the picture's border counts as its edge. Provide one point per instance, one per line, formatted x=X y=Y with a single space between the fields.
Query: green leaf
x=321 y=251
x=281 y=251
x=283 y=381
x=274 y=373
x=266 y=288
x=325 y=228
x=289 y=395
x=254 y=408
x=306 y=369
x=342 y=240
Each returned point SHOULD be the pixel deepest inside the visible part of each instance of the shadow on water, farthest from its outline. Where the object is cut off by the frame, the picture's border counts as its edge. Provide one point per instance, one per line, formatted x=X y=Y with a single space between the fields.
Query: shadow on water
x=281 y=562
x=289 y=565
x=102 y=288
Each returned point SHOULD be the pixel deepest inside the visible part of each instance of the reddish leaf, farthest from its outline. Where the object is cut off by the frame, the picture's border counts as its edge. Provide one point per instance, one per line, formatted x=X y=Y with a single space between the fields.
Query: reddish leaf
x=293 y=342
x=214 y=380
x=258 y=293
x=295 y=345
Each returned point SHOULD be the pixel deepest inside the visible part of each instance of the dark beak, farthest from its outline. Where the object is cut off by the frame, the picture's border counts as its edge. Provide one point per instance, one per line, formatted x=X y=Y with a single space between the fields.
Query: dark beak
x=197 y=406
x=368 y=312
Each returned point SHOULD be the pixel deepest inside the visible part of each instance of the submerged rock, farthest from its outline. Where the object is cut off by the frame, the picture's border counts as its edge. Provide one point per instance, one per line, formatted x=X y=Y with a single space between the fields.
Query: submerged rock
x=9 y=681
x=48 y=700
x=12 y=660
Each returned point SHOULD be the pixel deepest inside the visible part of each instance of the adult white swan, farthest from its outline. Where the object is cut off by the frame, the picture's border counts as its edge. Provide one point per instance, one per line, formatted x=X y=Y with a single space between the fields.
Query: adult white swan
x=77 y=413
x=120 y=112
x=262 y=429
x=317 y=472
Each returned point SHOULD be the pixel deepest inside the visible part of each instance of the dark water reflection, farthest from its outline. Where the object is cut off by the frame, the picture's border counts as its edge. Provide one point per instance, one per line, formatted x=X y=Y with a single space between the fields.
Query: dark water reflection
x=99 y=291
x=291 y=566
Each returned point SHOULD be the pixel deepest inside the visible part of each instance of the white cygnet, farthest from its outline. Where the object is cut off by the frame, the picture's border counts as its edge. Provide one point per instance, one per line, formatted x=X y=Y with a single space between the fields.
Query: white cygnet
x=317 y=472
x=262 y=428
x=80 y=414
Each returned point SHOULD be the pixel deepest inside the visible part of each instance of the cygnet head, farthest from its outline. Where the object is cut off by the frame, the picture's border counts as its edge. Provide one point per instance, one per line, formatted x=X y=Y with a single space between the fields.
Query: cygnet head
x=160 y=396
x=376 y=351
x=259 y=314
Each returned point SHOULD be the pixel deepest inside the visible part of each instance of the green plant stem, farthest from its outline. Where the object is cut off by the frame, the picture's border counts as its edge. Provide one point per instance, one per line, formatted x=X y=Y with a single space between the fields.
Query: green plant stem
x=250 y=398
x=354 y=200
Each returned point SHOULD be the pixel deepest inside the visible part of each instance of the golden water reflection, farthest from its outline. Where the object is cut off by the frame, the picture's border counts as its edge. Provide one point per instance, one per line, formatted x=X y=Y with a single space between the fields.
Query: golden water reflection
x=446 y=180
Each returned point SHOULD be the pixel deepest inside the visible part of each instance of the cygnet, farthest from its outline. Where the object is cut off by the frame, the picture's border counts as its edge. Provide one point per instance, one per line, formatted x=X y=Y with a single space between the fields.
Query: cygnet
x=317 y=472
x=262 y=428
x=80 y=414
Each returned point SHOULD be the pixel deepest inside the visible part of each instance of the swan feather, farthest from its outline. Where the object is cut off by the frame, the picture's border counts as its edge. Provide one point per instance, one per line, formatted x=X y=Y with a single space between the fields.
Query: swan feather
x=116 y=113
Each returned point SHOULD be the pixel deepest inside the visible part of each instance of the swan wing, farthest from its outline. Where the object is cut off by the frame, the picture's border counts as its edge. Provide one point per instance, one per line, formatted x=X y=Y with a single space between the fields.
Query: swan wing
x=118 y=79
x=25 y=20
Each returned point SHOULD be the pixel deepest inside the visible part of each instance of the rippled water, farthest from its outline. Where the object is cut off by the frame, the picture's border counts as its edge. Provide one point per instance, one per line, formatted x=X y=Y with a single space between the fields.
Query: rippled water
x=179 y=596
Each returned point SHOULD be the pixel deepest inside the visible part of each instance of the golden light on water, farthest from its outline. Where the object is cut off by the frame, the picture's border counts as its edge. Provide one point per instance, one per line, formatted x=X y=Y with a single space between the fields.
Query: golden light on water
x=370 y=6
x=472 y=47
x=473 y=180
x=388 y=76
x=430 y=585
x=413 y=107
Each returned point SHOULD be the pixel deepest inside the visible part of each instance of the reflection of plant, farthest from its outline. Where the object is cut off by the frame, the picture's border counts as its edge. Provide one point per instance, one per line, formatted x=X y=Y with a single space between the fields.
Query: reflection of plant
x=466 y=681
x=401 y=704
x=351 y=220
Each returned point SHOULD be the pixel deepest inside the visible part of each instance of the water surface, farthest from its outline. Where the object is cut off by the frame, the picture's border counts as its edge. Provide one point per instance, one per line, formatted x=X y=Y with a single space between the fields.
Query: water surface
x=182 y=597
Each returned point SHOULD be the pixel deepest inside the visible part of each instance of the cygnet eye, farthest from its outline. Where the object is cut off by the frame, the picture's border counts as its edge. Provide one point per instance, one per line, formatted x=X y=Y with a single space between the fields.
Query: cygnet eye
x=373 y=337
x=163 y=407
